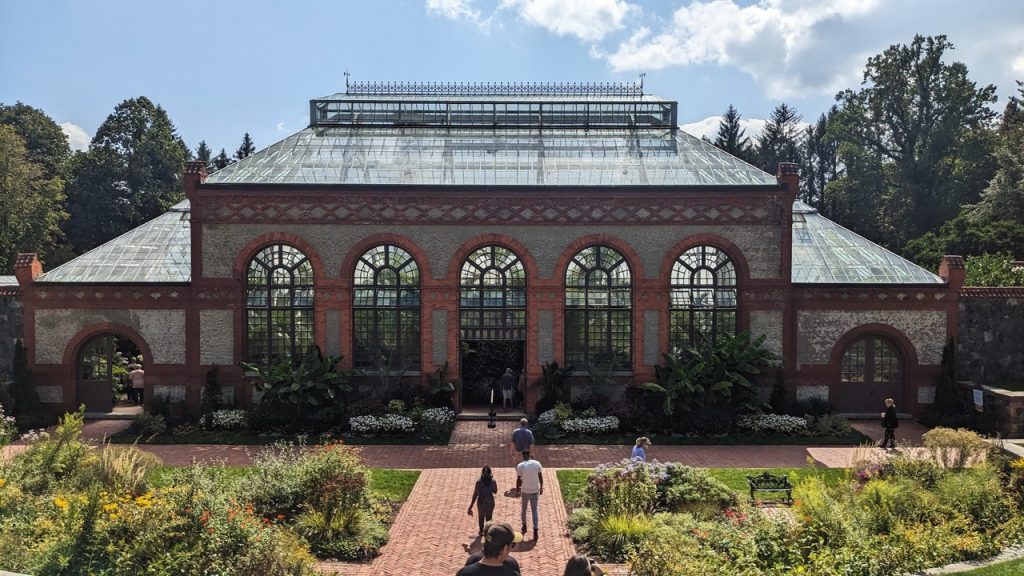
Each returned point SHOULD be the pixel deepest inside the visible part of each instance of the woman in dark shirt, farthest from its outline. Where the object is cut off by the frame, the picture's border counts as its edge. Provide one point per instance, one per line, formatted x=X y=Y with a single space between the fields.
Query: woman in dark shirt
x=483 y=496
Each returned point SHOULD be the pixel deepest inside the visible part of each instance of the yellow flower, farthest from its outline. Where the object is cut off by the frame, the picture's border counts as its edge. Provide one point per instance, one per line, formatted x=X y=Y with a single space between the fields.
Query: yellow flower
x=110 y=507
x=61 y=503
x=2 y=482
x=1017 y=464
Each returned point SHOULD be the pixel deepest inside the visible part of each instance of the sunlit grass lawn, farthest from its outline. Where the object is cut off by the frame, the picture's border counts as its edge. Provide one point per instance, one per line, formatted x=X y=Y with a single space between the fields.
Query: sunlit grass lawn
x=574 y=480
x=393 y=485
x=1011 y=568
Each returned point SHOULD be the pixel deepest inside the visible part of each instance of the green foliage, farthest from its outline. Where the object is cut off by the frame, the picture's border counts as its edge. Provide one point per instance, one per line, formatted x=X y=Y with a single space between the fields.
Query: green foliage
x=552 y=384
x=914 y=141
x=49 y=462
x=212 y=393
x=924 y=471
x=441 y=388
x=955 y=449
x=23 y=391
x=1003 y=199
x=130 y=174
x=616 y=535
x=779 y=141
x=222 y=160
x=718 y=374
x=314 y=381
x=819 y=164
x=967 y=236
x=125 y=470
x=993 y=270
x=148 y=424
x=978 y=494
x=886 y=504
x=45 y=143
x=731 y=137
x=31 y=201
x=246 y=148
x=946 y=398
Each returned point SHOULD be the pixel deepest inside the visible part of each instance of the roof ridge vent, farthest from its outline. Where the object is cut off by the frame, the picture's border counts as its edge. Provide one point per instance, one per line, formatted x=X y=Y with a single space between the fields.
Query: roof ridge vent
x=614 y=89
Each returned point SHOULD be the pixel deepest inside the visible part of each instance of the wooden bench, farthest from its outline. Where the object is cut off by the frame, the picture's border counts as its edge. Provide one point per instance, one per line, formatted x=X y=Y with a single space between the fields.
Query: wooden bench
x=767 y=482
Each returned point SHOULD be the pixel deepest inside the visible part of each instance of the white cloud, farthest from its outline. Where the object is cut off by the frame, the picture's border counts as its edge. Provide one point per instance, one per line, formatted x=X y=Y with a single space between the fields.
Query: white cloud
x=588 y=20
x=786 y=45
x=78 y=138
x=454 y=9
x=708 y=127
x=1018 y=64
x=281 y=127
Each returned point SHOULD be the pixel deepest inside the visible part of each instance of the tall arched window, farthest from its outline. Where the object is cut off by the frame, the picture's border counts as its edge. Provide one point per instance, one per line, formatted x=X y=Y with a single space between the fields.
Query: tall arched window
x=703 y=301
x=386 y=310
x=492 y=295
x=278 y=304
x=871 y=360
x=598 y=309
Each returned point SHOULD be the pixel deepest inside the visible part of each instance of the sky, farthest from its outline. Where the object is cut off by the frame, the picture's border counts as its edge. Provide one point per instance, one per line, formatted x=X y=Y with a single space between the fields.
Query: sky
x=223 y=68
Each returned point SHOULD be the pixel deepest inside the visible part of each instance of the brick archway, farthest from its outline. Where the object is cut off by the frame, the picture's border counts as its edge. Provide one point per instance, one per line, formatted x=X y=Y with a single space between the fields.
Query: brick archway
x=97 y=393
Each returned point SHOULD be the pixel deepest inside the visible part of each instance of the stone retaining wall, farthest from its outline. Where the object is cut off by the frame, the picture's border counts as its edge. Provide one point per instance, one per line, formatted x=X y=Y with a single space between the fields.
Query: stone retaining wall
x=990 y=335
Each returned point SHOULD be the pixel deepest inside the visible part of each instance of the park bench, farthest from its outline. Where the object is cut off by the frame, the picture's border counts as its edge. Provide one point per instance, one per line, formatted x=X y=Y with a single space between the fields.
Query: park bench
x=767 y=482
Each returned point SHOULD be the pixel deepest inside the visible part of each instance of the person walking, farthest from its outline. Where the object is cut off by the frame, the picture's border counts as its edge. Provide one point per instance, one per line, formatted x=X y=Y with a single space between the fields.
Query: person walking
x=580 y=565
x=137 y=378
x=640 y=449
x=522 y=438
x=508 y=388
x=890 y=422
x=499 y=539
x=483 y=497
x=529 y=486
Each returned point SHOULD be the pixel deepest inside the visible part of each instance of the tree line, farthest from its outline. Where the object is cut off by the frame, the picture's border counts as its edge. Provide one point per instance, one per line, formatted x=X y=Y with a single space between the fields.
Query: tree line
x=914 y=159
x=60 y=204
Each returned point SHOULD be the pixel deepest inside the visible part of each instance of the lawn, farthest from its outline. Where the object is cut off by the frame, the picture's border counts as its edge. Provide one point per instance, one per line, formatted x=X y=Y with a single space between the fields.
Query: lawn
x=1010 y=568
x=573 y=481
x=393 y=485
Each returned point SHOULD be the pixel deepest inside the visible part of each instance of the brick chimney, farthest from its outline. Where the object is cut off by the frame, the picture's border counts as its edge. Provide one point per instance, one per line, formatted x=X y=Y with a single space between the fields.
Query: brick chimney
x=788 y=174
x=953 y=272
x=195 y=174
x=27 y=268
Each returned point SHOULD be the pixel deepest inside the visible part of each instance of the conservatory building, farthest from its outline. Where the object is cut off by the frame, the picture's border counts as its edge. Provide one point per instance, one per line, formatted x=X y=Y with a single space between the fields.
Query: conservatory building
x=415 y=228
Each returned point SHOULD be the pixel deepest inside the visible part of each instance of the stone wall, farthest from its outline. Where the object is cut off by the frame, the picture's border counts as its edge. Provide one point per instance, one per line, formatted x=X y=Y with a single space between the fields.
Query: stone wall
x=819 y=330
x=162 y=330
x=991 y=337
x=10 y=331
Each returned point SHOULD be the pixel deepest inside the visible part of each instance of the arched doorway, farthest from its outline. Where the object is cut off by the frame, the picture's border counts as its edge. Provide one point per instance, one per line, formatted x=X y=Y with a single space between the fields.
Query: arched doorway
x=102 y=371
x=871 y=370
x=492 y=321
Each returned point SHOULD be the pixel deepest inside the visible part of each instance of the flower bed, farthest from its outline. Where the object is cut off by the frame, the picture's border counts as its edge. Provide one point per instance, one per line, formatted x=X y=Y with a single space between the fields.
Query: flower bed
x=772 y=424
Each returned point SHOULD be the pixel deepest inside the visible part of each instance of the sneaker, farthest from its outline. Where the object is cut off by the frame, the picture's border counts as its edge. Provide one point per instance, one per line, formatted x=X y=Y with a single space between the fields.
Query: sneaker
x=524 y=530
x=535 y=534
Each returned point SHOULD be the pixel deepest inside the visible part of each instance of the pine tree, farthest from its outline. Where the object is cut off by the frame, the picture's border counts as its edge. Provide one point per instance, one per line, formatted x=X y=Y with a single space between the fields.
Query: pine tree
x=246 y=149
x=26 y=399
x=780 y=139
x=221 y=160
x=731 y=137
x=819 y=163
x=203 y=153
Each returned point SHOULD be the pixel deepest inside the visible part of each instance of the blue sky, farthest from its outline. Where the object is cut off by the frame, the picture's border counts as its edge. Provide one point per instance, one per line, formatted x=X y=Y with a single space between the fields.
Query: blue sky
x=224 y=68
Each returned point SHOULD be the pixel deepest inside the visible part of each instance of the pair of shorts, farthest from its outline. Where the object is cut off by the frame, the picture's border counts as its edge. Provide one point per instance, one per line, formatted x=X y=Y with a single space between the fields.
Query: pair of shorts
x=508 y=394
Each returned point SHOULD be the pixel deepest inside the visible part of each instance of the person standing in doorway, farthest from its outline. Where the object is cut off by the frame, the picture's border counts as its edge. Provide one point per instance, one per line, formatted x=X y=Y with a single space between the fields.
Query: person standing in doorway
x=137 y=379
x=522 y=438
x=529 y=486
x=508 y=387
x=483 y=497
x=890 y=422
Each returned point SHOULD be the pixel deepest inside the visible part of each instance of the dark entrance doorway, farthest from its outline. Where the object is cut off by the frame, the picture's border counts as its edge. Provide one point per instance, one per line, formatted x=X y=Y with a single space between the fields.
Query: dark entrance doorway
x=483 y=363
x=102 y=371
x=870 y=372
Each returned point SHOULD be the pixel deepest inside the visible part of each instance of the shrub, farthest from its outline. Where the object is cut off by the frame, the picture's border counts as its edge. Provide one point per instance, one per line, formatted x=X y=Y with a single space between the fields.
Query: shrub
x=623 y=488
x=123 y=470
x=885 y=505
x=924 y=471
x=212 y=393
x=616 y=535
x=8 y=428
x=955 y=449
x=680 y=545
x=148 y=424
x=685 y=488
x=772 y=424
x=387 y=424
x=226 y=419
x=828 y=425
x=976 y=493
x=591 y=426
x=823 y=515
x=267 y=416
x=396 y=407
x=51 y=460
x=436 y=423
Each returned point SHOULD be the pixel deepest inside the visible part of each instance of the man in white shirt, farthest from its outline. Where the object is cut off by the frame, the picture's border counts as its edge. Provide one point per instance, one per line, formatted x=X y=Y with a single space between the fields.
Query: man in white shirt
x=529 y=485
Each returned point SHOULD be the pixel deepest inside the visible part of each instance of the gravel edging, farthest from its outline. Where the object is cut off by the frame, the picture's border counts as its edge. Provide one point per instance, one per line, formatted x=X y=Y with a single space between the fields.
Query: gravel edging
x=1008 y=554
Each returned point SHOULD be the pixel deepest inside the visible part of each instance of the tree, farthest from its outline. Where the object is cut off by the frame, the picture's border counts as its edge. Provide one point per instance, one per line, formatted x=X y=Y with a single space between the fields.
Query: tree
x=967 y=236
x=820 y=160
x=45 y=142
x=129 y=175
x=924 y=125
x=203 y=153
x=23 y=392
x=1003 y=199
x=731 y=136
x=31 y=202
x=780 y=139
x=221 y=160
x=246 y=149
x=993 y=270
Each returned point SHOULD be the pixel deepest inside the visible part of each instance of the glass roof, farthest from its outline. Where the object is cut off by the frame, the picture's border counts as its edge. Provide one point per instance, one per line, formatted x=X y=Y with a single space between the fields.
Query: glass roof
x=825 y=252
x=158 y=251
x=8 y=280
x=492 y=157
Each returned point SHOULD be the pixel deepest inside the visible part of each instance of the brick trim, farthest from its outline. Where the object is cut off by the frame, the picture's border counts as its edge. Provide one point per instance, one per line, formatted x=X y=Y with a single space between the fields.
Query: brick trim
x=78 y=340
x=902 y=343
x=348 y=264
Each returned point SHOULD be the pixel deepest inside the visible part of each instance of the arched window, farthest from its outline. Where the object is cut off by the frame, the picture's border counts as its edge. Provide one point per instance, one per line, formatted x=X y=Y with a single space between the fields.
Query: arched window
x=598 y=310
x=278 y=304
x=386 y=310
x=702 y=306
x=871 y=360
x=492 y=295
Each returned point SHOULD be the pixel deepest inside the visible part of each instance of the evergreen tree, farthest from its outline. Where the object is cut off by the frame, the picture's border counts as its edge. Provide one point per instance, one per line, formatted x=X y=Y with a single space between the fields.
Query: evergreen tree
x=780 y=139
x=23 y=392
x=203 y=153
x=221 y=160
x=246 y=149
x=731 y=137
x=1003 y=199
x=820 y=161
x=130 y=174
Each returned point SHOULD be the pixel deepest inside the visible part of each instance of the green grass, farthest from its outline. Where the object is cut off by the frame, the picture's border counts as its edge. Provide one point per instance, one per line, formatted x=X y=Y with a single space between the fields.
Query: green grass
x=854 y=439
x=1009 y=568
x=393 y=485
x=573 y=481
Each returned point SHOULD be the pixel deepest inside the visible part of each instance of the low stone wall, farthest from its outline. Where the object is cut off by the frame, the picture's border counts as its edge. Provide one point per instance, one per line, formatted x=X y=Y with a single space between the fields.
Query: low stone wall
x=1002 y=410
x=991 y=330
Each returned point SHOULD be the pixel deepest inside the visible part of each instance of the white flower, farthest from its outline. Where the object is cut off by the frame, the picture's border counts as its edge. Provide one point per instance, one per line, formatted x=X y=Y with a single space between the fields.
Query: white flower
x=228 y=419
x=772 y=424
x=547 y=417
x=591 y=426
x=437 y=417
x=387 y=424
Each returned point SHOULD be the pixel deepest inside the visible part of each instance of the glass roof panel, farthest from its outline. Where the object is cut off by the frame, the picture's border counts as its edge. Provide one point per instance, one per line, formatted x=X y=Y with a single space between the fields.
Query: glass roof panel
x=492 y=157
x=825 y=252
x=157 y=251
x=8 y=280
